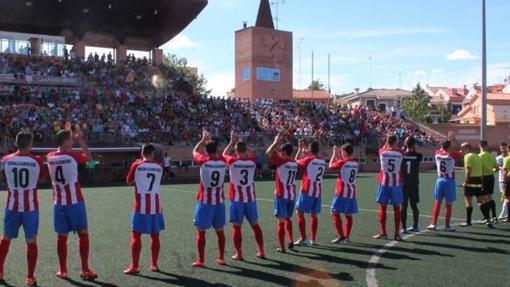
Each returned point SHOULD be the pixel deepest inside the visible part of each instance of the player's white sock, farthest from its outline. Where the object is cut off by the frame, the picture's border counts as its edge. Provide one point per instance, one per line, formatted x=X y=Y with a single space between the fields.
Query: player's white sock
x=504 y=210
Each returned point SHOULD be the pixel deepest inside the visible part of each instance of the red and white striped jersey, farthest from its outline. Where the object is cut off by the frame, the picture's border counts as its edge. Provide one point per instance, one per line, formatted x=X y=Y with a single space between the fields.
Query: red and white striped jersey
x=445 y=163
x=22 y=172
x=63 y=169
x=286 y=172
x=212 y=178
x=242 y=178
x=391 y=161
x=347 y=178
x=146 y=176
x=311 y=182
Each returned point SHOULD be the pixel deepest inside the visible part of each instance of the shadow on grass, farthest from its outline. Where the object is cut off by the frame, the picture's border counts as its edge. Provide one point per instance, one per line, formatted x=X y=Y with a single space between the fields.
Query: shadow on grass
x=304 y=276
x=346 y=249
x=90 y=283
x=357 y=263
x=486 y=234
x=459 y=237
x=180 y=280
x=464 y=248
x=373 y=248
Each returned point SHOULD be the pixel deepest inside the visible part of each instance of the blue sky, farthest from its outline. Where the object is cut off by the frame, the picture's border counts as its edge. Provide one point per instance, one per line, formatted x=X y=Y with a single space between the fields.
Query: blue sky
x=434 y=42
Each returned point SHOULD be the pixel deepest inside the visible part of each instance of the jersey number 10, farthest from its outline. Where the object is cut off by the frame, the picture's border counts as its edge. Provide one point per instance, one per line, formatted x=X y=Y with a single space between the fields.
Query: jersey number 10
x=21 y=177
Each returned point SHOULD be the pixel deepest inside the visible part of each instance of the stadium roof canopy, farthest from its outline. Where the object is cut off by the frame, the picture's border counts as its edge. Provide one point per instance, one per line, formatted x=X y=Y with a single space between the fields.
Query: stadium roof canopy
x=138 y=24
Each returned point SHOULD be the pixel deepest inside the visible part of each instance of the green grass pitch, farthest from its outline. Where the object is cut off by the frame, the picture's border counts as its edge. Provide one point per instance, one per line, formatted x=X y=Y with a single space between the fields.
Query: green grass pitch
x=474 y=256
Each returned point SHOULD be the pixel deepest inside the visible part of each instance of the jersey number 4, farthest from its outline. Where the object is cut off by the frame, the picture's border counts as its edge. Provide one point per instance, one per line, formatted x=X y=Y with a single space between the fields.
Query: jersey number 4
x=59 y=175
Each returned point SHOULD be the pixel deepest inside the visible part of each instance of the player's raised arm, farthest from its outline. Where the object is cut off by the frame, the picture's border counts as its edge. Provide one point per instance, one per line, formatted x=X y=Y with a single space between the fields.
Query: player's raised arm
x=301 y=150
x=334 y=156
x=78 y=135
x=231 y=143
x=271 y=149
x=200 y=144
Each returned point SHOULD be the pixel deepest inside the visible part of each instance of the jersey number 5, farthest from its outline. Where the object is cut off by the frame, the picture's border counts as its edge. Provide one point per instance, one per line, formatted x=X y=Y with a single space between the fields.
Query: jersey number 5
x=391 y=165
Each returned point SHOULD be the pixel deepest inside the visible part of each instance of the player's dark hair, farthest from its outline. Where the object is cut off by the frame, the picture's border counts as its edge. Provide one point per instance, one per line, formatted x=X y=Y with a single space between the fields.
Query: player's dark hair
x=409 y=142
x=503 y=144
x=314 y=147
x=24 y=139
x=348 y=148
x=287 y=149
x=148 y=150
x=211 y=147
x=241 y=147
x=446 y=145
x=484 y=144
x=62 y=136
x=391 y=140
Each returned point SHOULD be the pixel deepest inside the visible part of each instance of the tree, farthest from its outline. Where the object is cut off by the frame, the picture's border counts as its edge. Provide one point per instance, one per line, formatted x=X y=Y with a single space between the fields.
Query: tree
x=445 y=112
x=416 y=106
x=316 y=85
x=179 y=65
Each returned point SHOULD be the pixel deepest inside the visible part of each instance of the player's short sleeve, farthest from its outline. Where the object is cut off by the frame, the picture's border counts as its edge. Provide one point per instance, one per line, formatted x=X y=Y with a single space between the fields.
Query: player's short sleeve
x=420 y=157
x=130 y=178
x=506 y=163
x=338 y=164
x=468 y=160
x=79 y=157
x=229 y=159
x=199 y=158
x=43 y=169
x=277 y=159
x=456 y=155
x=302 y=163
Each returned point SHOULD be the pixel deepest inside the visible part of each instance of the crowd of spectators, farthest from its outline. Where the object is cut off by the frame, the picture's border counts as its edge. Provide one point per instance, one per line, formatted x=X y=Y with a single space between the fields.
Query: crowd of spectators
x=118 y=104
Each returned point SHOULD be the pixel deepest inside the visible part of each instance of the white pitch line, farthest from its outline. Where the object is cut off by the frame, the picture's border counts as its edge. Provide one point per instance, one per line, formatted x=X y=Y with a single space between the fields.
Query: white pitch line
x=374 y=259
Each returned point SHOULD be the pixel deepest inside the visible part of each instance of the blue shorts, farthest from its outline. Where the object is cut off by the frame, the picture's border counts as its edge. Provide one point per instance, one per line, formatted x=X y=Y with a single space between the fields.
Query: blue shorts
x=13 y=220
x=207 y=216
x=344 y=205
x=283 y=208
x=239 y=210
x=69 y=218
x=445 y=189
x=309 y=204
x=147 y=223
x=389 y=195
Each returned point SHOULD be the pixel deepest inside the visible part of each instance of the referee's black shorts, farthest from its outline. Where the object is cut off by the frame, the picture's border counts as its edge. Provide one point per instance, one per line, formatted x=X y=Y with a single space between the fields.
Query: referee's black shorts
x=474 y=186
x=507 y=188
x=488 y=185
x=411 y=193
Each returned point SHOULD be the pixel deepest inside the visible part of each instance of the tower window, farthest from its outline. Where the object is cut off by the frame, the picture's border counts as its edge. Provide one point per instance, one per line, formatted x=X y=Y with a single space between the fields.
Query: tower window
x=268 y=74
